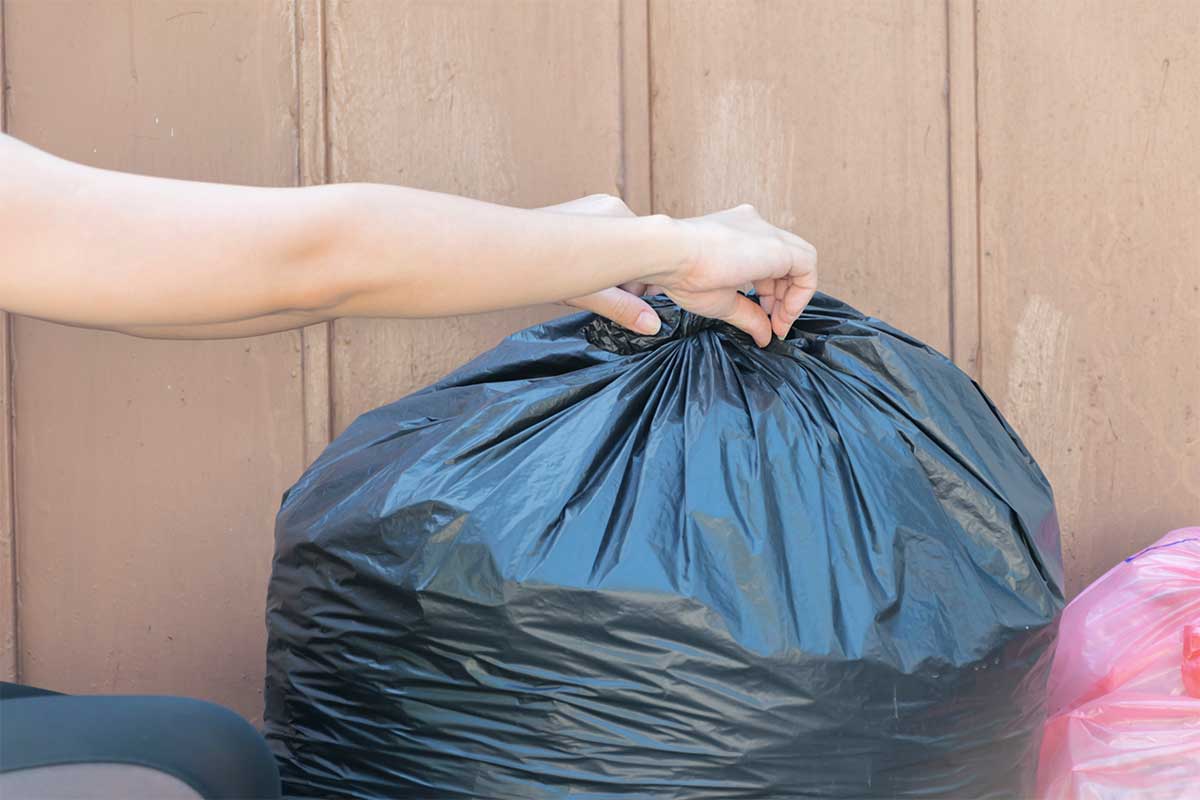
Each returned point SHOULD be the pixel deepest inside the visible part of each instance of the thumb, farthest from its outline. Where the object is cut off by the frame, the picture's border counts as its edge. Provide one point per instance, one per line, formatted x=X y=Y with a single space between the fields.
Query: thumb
x=625 y=309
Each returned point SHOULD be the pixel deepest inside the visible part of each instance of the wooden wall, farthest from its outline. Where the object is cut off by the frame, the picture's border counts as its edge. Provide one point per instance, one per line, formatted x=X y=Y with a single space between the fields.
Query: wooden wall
x=1089 y=241
x=1014 y=181
x=146 y=473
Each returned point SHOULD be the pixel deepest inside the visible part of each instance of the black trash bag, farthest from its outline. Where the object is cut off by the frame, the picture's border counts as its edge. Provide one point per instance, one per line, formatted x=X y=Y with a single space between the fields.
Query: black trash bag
x=594 y=564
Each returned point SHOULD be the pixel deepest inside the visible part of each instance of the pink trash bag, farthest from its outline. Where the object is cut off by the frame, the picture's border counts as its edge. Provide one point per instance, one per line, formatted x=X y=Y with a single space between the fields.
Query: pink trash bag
x=1122 y=723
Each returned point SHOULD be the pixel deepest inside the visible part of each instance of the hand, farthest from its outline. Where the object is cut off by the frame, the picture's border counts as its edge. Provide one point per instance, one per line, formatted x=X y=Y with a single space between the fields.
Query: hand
x=735 y=247
x=622 y=304
x=729 y=251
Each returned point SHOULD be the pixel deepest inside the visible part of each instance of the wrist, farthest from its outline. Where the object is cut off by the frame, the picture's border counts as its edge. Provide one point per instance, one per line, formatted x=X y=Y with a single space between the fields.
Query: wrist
x=674 y=249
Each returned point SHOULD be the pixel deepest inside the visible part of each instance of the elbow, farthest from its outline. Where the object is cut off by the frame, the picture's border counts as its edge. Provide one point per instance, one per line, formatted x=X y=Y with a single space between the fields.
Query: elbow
x=312 y=273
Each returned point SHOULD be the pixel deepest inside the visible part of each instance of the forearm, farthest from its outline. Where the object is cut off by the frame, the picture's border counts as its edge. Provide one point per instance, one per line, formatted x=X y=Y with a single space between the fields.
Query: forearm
x=403 y=252
x=162 y=257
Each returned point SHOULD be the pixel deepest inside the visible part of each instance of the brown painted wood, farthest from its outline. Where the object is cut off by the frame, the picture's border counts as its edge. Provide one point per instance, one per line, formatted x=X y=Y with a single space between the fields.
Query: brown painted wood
x=828 y=116
x=1088 y=127
x=517 y=103
x=964 y=178
x=310 y=49
x=9 y=667
x=148 y=473
x=8 y=564
x=635 y=105
x=318 y=390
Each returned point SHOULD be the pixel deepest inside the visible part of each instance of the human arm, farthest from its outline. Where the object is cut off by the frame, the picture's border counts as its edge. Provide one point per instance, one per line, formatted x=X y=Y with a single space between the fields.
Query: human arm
x=160 y=257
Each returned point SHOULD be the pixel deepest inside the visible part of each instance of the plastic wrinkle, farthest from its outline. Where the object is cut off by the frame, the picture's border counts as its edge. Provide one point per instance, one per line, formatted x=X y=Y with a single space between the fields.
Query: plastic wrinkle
x=1141 y=553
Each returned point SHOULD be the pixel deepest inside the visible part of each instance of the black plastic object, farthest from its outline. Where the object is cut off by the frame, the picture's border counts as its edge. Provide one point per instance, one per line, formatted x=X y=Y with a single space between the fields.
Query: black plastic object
x=593 y=564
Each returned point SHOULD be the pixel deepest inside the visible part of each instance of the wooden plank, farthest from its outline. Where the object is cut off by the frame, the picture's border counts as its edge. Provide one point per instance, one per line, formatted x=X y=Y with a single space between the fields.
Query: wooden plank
x=318 y=391
x=829 y=117
x=8 y=538
x=635 y=105
x=517 y=103
x=9 y=667
x=148 y=473
x=1091 y=258
x=964 y=195
x=310 y=51
x=310 y=72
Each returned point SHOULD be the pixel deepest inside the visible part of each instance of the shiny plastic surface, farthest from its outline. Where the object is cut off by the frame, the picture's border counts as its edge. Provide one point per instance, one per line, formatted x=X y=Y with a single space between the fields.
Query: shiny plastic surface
x=594 y=564
x=1122 y=724
x=1191 y=660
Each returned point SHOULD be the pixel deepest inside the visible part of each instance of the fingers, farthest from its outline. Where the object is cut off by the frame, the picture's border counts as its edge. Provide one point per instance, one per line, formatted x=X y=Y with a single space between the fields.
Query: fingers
x=625 y=309
x=793 y=293
x=802 y=244
x=643 y=289
x=788 y=311
x=749 y=317
x=806 y=269
x=765 y=289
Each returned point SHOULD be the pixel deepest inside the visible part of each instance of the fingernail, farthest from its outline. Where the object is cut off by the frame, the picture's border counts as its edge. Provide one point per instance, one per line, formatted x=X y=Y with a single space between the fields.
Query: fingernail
x=647 y=323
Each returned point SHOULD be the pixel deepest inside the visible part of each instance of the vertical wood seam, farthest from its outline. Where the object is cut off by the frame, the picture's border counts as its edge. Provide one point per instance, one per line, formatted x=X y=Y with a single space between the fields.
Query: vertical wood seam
x=977 y=176
x=622 y=101
x=650 y=108
x=3 y=74
x=10 y=640
x=10 y=633
x=633 y=179
x=963 y=186
x=951 y=317
x=326 y=176
x=326 y=144
x=312 y=168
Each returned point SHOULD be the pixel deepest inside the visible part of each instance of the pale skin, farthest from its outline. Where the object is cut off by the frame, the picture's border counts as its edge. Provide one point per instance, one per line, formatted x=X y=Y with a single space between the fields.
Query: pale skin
x=163 y=258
